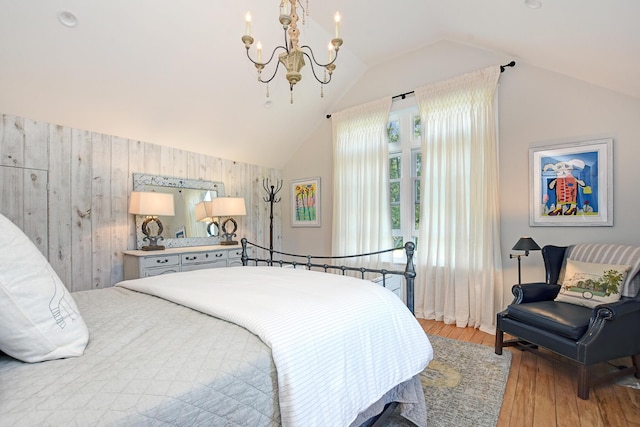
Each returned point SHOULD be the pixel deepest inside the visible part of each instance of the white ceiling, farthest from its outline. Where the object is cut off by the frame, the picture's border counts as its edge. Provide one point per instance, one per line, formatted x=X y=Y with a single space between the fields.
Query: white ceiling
x=175 y=72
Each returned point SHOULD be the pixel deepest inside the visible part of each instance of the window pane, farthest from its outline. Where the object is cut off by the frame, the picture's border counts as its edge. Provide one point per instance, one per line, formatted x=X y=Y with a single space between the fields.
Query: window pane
x=417 y=127
x=393 y=131
x=416 y=201
x=394 y=193
x=397 y=242
x=417 y=163
x=395 y=217
x=394 y=168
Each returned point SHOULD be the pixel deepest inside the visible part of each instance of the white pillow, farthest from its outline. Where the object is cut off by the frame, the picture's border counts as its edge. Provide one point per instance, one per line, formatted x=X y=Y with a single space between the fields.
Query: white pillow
x=591 y=284
x=39 y=320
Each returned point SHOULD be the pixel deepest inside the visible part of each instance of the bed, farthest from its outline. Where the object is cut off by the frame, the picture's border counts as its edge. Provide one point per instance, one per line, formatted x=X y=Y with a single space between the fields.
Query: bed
x=207 y=358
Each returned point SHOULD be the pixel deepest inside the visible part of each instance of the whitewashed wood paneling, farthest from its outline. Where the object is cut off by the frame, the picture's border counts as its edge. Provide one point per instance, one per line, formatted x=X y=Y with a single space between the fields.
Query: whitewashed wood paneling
x=81 y=206
x=12 y=141
x=36 y=144
x=60 y=216
x=34 y=199
x=81 y=221
x=26 y=203
x=120 y=188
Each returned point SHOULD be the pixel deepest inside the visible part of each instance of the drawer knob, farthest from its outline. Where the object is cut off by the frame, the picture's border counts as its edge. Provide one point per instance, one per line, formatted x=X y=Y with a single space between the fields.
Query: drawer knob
x=162 y=261
x=218 y=255
x=192 y=258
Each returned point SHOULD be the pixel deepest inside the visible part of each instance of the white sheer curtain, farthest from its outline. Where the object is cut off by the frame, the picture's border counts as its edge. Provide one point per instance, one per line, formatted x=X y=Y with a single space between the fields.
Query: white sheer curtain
x=361 y=210
x=459 y=267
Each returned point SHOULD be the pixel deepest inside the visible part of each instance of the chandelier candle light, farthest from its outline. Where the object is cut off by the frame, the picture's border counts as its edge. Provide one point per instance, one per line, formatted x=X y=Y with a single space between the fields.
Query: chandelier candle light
x=292 y=57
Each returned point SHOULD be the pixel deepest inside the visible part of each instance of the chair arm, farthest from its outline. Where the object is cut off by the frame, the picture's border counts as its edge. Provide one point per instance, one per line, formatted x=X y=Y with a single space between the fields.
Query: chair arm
x=533 y=292
x=616 y=309
x=613 y=332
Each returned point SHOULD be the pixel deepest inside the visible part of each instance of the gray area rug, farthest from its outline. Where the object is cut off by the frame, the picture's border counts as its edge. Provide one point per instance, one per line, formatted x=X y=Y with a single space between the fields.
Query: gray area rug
x=463 y=385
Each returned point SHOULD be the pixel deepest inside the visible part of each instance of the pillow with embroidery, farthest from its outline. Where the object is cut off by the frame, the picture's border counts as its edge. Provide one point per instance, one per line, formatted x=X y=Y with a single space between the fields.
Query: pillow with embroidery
x=591 y=284
x=39 y=319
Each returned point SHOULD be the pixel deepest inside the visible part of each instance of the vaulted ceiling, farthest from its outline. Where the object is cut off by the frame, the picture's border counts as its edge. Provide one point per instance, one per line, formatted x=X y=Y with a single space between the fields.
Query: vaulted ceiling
x=175 y=72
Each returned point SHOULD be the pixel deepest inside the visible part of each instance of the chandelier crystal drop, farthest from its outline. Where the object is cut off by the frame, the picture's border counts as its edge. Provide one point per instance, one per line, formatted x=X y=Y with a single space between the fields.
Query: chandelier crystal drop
x=292 y=56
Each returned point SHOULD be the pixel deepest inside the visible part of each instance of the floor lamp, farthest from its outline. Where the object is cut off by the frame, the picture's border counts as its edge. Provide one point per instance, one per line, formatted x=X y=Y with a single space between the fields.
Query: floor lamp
x=525 y=244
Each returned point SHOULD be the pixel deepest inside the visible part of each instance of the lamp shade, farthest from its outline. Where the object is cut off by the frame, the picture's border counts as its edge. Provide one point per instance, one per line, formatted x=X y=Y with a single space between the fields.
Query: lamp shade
x=151 y=203
x=526 y=244
x=227 y=206
x=203 y=212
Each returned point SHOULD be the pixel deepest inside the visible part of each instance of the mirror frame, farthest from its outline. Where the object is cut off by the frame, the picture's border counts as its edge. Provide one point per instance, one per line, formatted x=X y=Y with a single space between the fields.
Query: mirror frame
x=140 y=181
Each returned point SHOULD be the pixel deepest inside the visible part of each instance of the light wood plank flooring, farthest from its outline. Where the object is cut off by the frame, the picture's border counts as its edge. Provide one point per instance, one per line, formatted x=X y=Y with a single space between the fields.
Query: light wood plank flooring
x=543 y=393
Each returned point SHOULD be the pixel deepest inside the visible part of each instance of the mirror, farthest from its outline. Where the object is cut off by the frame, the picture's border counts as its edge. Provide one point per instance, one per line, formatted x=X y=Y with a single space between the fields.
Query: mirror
x=182 y=229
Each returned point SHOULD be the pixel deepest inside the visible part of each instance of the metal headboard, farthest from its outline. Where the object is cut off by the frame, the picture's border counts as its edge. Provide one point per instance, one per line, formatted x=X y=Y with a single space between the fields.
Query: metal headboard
x=409 y=272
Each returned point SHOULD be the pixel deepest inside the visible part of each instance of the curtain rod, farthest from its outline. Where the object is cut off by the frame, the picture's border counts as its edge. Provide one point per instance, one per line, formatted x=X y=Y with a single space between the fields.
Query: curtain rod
x=404 y=95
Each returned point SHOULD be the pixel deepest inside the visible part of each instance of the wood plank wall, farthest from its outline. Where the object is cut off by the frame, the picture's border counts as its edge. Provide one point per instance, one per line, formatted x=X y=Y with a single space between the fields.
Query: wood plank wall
x=68 y=190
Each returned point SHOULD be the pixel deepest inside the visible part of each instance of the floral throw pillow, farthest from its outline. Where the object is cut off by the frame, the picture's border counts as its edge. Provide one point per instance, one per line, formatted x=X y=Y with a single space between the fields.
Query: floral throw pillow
x=591 y=284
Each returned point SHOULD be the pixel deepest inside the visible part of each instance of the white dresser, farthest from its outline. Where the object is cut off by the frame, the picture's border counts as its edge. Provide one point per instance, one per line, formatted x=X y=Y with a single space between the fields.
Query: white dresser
x=139 y=264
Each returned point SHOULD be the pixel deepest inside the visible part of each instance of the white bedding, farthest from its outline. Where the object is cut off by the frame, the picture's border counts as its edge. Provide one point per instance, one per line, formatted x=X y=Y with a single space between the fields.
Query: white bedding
x=338 y=343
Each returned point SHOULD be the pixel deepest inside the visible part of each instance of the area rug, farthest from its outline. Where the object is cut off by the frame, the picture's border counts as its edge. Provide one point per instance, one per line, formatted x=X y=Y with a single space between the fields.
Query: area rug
x=463 y=385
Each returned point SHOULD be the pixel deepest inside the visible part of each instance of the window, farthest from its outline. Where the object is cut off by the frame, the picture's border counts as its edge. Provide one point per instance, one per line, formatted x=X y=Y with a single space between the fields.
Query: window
x=405 y=161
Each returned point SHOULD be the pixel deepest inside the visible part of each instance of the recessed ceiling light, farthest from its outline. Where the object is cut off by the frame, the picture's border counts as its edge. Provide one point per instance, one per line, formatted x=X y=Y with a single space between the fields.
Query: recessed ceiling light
x=533 y=4
x=68 y=19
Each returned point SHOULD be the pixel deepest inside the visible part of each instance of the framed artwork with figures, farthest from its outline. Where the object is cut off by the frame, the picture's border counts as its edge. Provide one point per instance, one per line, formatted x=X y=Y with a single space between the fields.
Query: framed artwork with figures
x=571 y=184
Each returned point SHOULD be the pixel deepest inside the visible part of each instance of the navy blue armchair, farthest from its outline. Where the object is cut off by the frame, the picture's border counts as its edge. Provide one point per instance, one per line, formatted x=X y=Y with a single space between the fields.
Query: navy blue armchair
x=585 y=335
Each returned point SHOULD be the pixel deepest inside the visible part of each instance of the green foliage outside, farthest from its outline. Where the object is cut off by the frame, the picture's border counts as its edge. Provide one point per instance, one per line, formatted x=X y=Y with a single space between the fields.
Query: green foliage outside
x=394 y=168
x=417 y=127
x=393 y=131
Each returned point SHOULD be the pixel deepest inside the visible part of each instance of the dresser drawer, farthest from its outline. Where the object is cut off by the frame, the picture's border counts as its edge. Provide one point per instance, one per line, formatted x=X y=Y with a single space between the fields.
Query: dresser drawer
x=173 y=260
x=201 y=266
x=148 y=272
x=235 y=253
x=161 y=261
x=204 y=257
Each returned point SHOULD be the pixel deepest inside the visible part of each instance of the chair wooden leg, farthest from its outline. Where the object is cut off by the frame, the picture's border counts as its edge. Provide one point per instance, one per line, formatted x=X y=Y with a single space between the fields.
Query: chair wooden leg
x=583 y=382
x=636 y=364
x=499 y=341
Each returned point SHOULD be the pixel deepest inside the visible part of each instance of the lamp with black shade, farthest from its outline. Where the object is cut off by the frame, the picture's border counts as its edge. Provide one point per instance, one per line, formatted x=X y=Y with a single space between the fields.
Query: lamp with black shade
x=152 y=205
x=525 y=244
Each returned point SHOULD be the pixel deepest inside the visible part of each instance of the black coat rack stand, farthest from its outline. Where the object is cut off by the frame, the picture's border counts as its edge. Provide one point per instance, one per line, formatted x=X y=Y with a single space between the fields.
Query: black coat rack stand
x=271 y=190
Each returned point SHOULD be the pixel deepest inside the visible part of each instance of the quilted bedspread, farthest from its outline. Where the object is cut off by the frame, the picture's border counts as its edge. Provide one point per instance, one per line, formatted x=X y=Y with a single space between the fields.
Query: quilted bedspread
x=338 y=343
x=148 y=362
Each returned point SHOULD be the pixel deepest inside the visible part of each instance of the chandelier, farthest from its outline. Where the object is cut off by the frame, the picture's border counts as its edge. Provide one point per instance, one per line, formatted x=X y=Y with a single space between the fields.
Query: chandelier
x=292 y=55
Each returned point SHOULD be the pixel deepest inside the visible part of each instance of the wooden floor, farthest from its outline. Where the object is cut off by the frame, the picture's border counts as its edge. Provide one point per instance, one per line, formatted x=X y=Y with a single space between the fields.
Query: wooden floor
x=543 y=393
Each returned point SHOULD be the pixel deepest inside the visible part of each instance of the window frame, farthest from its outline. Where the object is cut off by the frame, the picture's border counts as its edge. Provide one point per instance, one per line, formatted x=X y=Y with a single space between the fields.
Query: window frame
x=407 y=148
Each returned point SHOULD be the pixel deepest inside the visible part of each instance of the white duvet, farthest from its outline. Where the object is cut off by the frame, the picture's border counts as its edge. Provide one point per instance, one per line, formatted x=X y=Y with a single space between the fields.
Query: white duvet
x=338 y=343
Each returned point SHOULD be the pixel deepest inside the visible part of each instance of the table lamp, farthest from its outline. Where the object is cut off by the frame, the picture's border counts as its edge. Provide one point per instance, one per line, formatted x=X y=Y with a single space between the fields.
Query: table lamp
x=203 y=214
x=152 y=205
x=228 y=207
